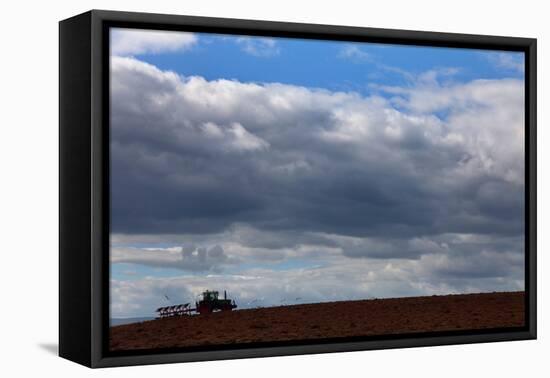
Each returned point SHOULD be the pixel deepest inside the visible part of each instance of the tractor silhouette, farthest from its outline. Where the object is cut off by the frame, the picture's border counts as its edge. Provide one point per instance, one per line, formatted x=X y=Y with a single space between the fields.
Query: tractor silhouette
x=209 y=303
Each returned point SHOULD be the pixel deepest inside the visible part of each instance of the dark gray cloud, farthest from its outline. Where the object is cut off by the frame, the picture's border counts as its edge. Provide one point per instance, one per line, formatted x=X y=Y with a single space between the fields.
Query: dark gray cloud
x=189 y=257
x=191 y=156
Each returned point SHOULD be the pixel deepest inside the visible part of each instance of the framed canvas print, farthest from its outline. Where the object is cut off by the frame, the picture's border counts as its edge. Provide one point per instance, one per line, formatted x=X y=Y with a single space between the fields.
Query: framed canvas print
x=234 y=188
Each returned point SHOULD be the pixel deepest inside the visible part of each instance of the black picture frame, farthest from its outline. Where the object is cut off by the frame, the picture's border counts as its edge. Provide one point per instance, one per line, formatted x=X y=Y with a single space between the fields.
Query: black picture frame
x=84 y=184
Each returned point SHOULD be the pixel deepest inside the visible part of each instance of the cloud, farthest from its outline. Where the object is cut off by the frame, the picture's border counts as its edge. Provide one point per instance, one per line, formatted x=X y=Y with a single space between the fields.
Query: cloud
x=259 y=47
x=344 y=279
x=239 y=244
x=197 y=156
x=233 y=137
x=476 y=112
x=269 y=268
x=373 y=247
x=190 y=257
x=355 y=54
x=508 y=61
x=131 y=42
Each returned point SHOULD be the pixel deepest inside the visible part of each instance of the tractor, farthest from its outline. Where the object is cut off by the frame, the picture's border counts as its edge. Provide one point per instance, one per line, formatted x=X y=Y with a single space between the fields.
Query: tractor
x=210 y=303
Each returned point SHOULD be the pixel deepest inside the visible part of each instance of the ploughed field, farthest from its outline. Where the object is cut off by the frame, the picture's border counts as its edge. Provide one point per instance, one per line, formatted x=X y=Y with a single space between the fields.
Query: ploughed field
x=326 y=320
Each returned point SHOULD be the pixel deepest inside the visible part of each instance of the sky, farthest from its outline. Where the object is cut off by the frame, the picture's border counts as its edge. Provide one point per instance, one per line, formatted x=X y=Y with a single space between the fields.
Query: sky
x=291 y=171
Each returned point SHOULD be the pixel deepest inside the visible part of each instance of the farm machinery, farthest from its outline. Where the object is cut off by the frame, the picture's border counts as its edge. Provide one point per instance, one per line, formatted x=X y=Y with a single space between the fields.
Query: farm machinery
x=209 y=303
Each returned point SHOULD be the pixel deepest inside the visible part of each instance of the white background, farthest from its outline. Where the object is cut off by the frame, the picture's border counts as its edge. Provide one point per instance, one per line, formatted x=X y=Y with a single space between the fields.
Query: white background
x=29 y=186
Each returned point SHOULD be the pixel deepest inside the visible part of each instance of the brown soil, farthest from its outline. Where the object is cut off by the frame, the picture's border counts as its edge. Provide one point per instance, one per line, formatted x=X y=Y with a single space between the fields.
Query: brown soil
x=326 y=320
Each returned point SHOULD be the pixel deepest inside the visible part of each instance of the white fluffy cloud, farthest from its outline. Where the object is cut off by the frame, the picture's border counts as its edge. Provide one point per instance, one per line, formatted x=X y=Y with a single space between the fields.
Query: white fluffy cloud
x=233 y=137
x=129 y=42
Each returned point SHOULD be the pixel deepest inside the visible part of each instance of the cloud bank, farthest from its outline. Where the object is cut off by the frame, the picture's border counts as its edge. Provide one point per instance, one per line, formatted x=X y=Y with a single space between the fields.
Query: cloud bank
x=130 y=42
x=191 y=154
